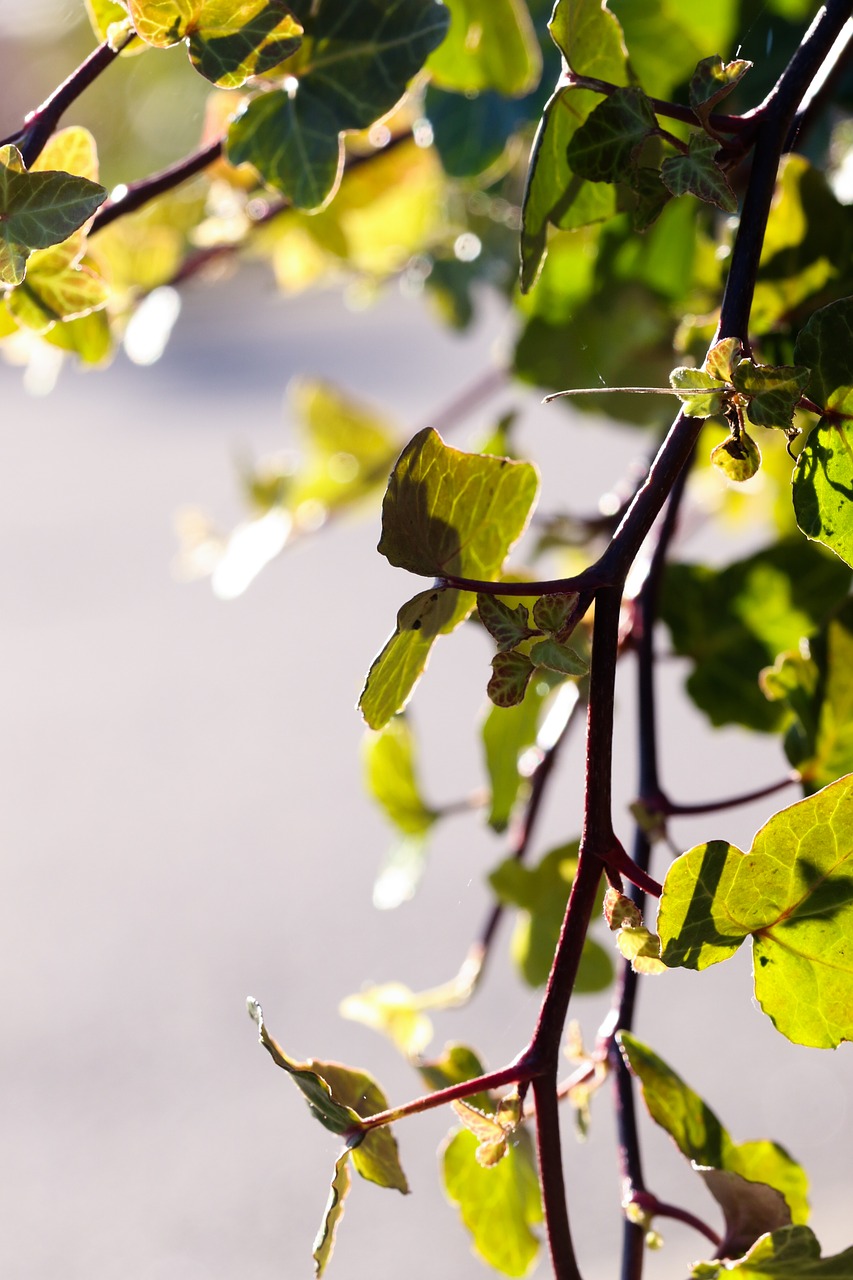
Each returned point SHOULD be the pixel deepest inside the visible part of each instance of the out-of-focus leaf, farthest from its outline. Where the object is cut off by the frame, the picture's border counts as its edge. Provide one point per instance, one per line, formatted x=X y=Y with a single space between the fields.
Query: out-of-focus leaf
x=391 y=1009
x=507 y=733
x=110 y=20
x=498 y=1205
x=737 y=457
x=792 y=1253
x=400 y=873
x=334 y=1211
x=390 y=777
x=228 y=40
x=733 y=622
x=817 y=689
x=701 y=1137
x=541 y=893
x=667 y=38
x=793 y=894
x=823 y=479
x=491 y=44
x=698 y=174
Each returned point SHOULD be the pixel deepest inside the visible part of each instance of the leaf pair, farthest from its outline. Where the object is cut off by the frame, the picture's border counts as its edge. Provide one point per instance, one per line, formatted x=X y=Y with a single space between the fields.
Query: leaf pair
x=516 y=659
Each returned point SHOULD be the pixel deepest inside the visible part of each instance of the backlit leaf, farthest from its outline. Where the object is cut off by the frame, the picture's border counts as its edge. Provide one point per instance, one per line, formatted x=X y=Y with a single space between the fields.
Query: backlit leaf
x=59 y=285
x=228 y=40
x=668 y=37
x=510 y=677
x=448 y=512
x=773 y=391
x=376 y=1157
x=793 y=894
x=507 y=733
x=737 y=457
x=641 y=947
x=339 y=1190
x=110 y=20
x=699 y=391
x=698 y=174
x=391 y=1009
x=491 y=44
x=37 y=210
x=823 y=478
x=389 y=759
x=558 y=657
x=792 y=1253
x=712 y=81
x=506 y=625
x=552 y=612
x=701 y=1137
x=733 y=622
x=507 y=1194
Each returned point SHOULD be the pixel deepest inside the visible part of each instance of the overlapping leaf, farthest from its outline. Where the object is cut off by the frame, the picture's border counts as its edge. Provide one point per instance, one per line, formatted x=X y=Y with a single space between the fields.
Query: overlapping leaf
x=758 y=1185
x=228 y=40
x=698 y=174
x=37 y=210
x=823 y=479
x=356 y=63
x=793 y=894
x=792 y=1253
x=605 y=147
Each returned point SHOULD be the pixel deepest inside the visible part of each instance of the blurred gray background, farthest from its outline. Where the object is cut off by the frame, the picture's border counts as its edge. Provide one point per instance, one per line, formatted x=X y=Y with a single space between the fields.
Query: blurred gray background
x=183 y=822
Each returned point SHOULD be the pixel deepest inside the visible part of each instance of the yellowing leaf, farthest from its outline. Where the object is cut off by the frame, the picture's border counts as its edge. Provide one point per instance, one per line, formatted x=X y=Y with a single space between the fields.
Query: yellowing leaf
x=499 y=1204
x=393 y=1010
x=325 y=1240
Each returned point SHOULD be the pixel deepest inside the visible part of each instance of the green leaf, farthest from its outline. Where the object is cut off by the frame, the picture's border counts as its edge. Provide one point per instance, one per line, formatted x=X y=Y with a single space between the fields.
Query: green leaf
x=552 y=612
x=606 y=146
x=110 y=21
x=393 y=1010
x=507 y=626
x=59 y=285
x=457 y=1064
x=733 y=622
x=507 y=733
x=506 y=1194
x=701 y=1137
x=541 y=893
x=792 y=1253
x=448 y=512
x=712 y=81
x=395 y=672
x=699 y=175
x=590 y=39
x=355 y=64
x=817 y=690
x=823 y=478
x=37 y=210
x=510 y=677
x=701 y=393
x=668 y=37
x=334 y=1211
x=773 y=391
x=558 y=657
x=491 y=44
x=738 y=457
x=793 y=893
x=390 y=777
x=641 y=948
x=228 y=40
x=375 y=1157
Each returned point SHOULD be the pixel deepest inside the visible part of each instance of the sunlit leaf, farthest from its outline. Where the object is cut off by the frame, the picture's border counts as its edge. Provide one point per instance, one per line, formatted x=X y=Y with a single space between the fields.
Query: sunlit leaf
x=701 y=393
x=698 y=174
x=552 y=612
x=390 y=777
x=667 y=38
x=38 y=209
x=507 y=625
x=491 y=44
x=606 y=146
x=110 y=21
x=792 y=1253
x=641 y=947
x=376 y=1157
x=701 y=1137
x=714 y=80
x=391 y=1009
x=738 y=457
x=773 y=391
x=457 y=1063
x=339 y=1190
x=59 y=285
x=507 y=1194
x=793 y=894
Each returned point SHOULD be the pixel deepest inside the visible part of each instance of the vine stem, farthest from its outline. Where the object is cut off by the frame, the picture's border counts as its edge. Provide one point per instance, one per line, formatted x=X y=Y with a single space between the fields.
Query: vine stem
x=136 y=194
x=660 y=803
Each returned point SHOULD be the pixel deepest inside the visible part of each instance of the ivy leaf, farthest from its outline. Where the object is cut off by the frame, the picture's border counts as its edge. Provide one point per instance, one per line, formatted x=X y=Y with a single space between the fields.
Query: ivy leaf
x=541 y=893
x=733 y=622
x=507 y=732
x=355 y=64
x=228 y=40
x=701 y=1137
x=395 y=672
x=712 y=81
x=793 y=893
x=668 y=37
x=605 y=147
x=558 y=657
x=59 y=285
x=722 y=358
x=641 y=948
x=37 y=210
x=698 y=174
x=823 y=477
x=448 y=512
x=507 y=626
x=590 y=39
x=390 y=777
x=773 y=391
x=507 y=1193
x=110 y=21
x=738 y=457
x=510 y=677
x=491 y=44
x=552 y=612
x=817 y=690
x=792 y=1253
x=334 y=1211
x=391 y=1009
x=701 y=393
x=488 y=1129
